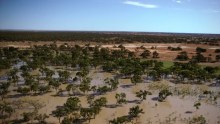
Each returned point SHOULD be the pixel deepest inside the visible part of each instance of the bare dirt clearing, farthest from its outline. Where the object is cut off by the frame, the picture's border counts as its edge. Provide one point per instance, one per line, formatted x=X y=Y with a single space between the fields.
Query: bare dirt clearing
x=161 y=48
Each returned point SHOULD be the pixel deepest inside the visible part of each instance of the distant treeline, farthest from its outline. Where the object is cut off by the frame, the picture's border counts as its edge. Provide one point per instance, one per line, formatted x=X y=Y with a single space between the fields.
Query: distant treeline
x=105 y=37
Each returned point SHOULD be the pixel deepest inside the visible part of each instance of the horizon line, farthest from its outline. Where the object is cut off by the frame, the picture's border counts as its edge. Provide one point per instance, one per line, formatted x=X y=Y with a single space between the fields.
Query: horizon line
x=43 y=30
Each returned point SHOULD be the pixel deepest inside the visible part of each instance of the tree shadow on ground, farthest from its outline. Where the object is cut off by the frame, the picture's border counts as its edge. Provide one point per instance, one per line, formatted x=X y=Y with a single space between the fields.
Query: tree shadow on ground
x=77 y=94
x=188 y=112
x=112 y=106
x=127 y=86
x=15 y=96
x=134 y=101
x=214 y=85
x=154 y=98
x=175 y=81
x=40 y=94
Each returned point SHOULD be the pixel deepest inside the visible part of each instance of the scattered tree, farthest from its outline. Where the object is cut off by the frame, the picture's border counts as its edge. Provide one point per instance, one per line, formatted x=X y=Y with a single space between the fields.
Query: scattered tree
x=121 y=98
x=143 y=94
x=197 y=105
x=136 y=79
x=145 y=54
x=155 y=54
x=200 y=50
x=182 y=56
x=59 y=112
x=163 y=95
x=4 y=89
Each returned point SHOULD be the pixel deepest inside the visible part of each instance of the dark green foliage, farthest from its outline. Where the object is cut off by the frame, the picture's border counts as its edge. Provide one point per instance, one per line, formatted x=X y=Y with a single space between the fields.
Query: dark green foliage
x=135 y=111
x=23 y=90
x=67 y=120
x=129 y=67
x=217 y=51
x=12 y=76
x=4 y=63
x=113 y=37
x=136 y=79
x=108 y=66
x=155 y=54
x=71 y=87
x=103 y=89
x=174 y=49
x=27 y=116
x=59 y=112
x=29 y=80
x=86 y=113
x=47 y=72
x=54 y=83
x=119 y=120
x=72 y=104
x=121 y=98
x=34 y=87
x=63 y=76
x=83 y=73
x=101 y=102
x=4 y=89
x=155 y=75
x=41 y=118
x=84 y=61
x=131 y=54
x=163 y=94
x=90 y=99
x=198 y=120
x=43 y=89
x=143 y=94
x=197 y=105
x=145 y=54
x=5 y=110
x=199 y=58
x=85 y=85
x=182 y=56
x=211 y=70
x=113 y=83
x=8 y=56
x=96 y=105
x=200 y=50
x=217 y=57
x=122 y=53
x=192 y=71
x=206 y=92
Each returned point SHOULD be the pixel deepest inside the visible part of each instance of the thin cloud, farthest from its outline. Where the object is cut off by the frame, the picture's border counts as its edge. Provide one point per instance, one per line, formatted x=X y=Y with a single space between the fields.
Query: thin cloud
x=181 y=1
x=178 y=1
x=134 y=3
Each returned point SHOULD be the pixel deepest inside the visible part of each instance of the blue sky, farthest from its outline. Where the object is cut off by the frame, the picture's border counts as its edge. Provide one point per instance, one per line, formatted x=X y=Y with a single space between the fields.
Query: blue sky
x=185 y=16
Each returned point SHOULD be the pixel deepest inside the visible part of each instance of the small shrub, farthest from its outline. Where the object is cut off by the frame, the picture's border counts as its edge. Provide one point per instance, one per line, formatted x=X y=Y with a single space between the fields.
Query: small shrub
x=163 y=94
x=198 y=120
x=200 y=50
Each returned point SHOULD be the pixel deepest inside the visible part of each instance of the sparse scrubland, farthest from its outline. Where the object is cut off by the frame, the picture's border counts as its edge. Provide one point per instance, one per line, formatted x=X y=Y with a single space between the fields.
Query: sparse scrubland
x=114 y=82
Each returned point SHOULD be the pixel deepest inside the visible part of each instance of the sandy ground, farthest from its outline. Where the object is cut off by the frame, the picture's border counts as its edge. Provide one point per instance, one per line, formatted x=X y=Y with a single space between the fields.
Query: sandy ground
x=173 y=109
